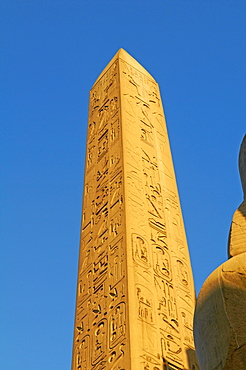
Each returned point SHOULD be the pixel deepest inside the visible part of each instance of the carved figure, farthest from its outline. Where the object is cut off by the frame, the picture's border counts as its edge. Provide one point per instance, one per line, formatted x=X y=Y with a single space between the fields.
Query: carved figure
x=219 y=323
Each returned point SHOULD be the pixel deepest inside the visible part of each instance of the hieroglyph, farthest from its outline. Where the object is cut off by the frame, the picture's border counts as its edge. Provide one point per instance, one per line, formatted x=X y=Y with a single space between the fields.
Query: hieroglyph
x=135 y=296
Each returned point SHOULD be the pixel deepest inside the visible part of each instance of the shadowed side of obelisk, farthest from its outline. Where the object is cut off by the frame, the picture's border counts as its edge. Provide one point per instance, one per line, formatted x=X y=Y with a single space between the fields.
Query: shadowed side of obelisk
x=160 y=289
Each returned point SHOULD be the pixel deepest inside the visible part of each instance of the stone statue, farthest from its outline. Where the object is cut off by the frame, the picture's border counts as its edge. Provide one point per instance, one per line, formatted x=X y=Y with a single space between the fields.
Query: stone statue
x=219 y=322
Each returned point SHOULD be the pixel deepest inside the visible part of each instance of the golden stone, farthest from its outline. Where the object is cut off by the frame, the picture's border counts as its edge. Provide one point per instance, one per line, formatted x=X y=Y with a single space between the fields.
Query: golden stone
x=135 y=296
x=219 y=322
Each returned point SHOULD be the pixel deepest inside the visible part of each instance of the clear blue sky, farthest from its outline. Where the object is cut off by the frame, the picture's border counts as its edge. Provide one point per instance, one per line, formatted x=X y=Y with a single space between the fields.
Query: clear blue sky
x=51 y=53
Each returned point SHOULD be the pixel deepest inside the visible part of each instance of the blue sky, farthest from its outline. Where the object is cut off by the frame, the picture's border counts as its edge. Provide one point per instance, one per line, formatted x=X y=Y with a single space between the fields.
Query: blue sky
x=51 y=54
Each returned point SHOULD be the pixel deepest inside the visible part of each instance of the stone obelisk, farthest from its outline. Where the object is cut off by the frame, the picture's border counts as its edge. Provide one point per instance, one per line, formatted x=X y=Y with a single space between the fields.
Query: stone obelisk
x=135 y=296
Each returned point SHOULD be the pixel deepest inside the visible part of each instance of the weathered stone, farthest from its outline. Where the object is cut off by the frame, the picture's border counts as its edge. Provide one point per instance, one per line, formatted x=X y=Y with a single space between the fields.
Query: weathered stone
x=237 y=235
x=220 y=315
x=219 y=324
x=135 y=296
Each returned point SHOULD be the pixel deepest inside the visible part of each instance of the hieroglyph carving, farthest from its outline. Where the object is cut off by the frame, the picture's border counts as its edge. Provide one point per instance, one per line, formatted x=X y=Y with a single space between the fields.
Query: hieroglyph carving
x=135 y=296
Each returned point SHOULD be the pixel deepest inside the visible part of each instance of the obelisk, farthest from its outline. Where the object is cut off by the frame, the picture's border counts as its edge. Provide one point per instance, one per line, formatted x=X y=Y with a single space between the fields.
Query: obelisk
x=135 y=296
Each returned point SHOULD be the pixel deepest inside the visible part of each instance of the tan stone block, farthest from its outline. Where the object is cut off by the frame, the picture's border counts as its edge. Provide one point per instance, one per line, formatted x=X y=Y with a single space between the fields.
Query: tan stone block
x=237 y=236
x=219 y=321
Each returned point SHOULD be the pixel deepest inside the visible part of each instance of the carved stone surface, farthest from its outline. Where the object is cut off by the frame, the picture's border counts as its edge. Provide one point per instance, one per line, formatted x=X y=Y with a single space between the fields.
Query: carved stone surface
x=135 y=297
x=219 y=322
x=237 y=235
x=220 y=334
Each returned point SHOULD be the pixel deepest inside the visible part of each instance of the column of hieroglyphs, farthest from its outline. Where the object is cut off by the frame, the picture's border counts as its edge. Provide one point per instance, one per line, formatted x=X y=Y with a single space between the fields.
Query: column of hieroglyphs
x=135 y=296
